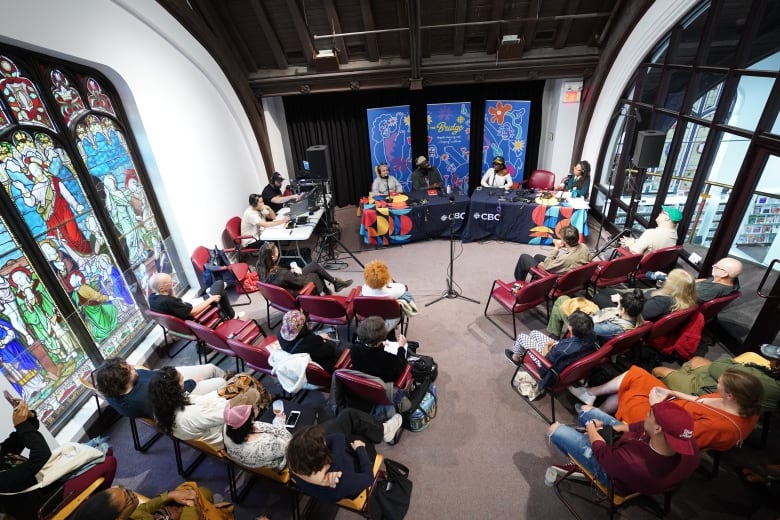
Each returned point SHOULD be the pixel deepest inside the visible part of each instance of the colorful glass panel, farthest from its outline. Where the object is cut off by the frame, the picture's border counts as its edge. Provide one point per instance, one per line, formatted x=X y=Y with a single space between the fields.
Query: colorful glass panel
x=51 y=201
x=67 y=97
x=98 y=100
x=41 y=357
x=22 y=96
x=4 y=122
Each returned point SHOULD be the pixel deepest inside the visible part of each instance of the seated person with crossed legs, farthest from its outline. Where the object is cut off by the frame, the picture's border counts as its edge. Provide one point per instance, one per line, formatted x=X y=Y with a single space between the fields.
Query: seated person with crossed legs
x=270 y=271
x=575 y=255
x=163 y=300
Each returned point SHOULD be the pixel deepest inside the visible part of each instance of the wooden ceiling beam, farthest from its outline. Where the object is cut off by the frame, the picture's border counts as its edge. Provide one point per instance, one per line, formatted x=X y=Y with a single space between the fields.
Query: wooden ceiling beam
x=459 y=36
x=403 y=10
x=372 y=46
x=224 y=31
x=335 y=27
x=270 y=35
x=494 y=31
x=307 y=45
x=564 y=27
x=529 y=28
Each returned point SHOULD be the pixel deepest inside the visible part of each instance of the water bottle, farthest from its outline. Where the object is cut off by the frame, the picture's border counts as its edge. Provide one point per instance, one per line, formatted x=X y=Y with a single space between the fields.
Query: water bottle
x=449 y=189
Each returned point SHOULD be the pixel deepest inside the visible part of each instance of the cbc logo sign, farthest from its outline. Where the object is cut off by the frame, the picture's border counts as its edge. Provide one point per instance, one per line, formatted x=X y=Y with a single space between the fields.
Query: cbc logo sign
x=455 y=216
x=486 y=216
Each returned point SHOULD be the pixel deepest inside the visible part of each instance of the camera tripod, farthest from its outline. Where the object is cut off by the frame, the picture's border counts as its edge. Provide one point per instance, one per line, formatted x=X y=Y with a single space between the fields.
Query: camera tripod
x=330 y=237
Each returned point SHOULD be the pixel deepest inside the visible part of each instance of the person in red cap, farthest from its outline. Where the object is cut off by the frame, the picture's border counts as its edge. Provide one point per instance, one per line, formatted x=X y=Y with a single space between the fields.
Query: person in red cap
x=649 y=457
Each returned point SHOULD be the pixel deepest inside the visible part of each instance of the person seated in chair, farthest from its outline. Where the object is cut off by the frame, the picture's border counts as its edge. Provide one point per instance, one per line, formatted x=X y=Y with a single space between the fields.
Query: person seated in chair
x=651 y=456
x=257 y=217
x=385 y=184
x=721 y=420
x=296 y=338
x=121 y=503
x=335 y=460
x=126 y=388
x=272 y=193
x=578 y=183
x=677 y=293
x=163 y=300
x=725 y=280
x=425 y=176
x=270 y=271
x=373 y=355
x=497 y=176
x=575 y=255
x=258 y=444
x=663 y=235
x=607 y=322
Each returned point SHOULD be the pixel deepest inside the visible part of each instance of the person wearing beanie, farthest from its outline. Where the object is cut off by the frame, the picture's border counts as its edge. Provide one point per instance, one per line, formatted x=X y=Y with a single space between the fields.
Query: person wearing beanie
x=497 y=176
x=425 y=176
x=295 y=337
x=272 y=193
x=651 y=456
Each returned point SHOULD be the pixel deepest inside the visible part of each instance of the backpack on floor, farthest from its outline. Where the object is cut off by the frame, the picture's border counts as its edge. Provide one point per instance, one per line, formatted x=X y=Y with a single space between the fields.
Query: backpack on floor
x=423 y=367
x=423 y=410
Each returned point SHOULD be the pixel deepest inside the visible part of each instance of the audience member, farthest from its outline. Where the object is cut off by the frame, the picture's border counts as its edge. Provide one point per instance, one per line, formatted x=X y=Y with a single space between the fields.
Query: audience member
x=497 y=176
x=121 y=503
x=721 y=420
x=257 y=216
x=295 y=337
x=294 y=279
x=425 y=176
x=335 y=460
x=578 y=183
x=677 y=293
x=374 y=354
x=181 y=414
x=258 y=444
x=651 y=456
x=725 y=280
x=163 y=300
x=272 y=193
x=664 y=235
x=379 y=282
x=575 y=255
x=699 y=376
x=126 y=388
x=608 y=322
x=385 y=184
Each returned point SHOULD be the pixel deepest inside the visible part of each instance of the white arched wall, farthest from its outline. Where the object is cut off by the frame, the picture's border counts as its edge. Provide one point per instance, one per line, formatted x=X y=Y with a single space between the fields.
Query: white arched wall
x=657 y=21
x=195 y=139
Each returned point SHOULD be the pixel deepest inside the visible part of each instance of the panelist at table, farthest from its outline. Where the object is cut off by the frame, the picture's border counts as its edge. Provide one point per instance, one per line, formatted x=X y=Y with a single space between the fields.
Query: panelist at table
x=385 y=184
x=426 y=176
x=497 y=176
x=578 y=183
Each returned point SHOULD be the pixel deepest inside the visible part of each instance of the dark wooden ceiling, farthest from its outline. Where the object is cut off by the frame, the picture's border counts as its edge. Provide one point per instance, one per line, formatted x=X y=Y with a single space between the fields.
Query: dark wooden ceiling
x=401 y=43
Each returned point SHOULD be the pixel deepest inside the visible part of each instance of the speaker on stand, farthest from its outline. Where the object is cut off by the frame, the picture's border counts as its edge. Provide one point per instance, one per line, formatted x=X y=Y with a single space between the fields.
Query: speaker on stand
x=647 y=154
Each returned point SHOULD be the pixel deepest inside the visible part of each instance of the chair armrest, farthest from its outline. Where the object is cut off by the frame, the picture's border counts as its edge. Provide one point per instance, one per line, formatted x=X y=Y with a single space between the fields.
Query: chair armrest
x=507 y=286
x=624 y=251
x=344 y=360
x=405 y=379
x=354 y=292
x=534 y=362
x=307 y=289
x=248 y=332
x=208 y=316
x=539 y=272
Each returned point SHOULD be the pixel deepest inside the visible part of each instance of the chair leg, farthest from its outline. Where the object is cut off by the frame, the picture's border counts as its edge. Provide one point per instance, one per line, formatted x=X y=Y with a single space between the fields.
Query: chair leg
x=136 y=439
x=185 y=472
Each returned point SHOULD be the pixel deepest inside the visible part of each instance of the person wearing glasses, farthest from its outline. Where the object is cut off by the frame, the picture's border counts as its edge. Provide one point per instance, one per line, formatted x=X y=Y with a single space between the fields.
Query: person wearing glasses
x=163 y=300
x=664 y=235
x=497 y=176
x=385 y=184
x=725 y=280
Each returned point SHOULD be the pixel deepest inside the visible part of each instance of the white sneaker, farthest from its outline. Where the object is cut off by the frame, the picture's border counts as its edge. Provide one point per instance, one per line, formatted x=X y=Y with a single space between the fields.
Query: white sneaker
x=560 y=470
x=240 y=315
x=582 y=393
x=391 y=427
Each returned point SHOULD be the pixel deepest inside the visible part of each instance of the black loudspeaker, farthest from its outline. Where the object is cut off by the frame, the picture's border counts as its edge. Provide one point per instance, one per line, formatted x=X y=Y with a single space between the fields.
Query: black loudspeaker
x=319 y=162
x=648 y=149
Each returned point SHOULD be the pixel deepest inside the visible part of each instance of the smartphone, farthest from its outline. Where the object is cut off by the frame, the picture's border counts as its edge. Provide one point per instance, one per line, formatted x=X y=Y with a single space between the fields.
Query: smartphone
x=292 y=419
x=14 y=401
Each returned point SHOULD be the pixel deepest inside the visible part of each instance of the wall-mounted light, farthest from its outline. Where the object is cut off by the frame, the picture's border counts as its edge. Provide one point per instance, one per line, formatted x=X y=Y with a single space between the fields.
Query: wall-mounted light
x=511 y=47
x=326 y=60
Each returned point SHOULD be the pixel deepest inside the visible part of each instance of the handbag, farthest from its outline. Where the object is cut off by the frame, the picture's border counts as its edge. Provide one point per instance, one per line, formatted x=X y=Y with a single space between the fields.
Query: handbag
x=239 y=384
x=393 y=492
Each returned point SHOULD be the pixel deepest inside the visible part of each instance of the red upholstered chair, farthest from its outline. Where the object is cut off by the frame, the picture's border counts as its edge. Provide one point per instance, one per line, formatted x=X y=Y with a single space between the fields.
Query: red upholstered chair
x=614 y=272
x=628 y=340
x=233 y=231
x=216 y=339
x=533 y=362
x=318 y=377
x=256 y=355
x=567 y=283
x=178 y=329
x=329 y=310
x=280 y=299
x=199 y=259
x=712 y=308
x=541 y=180
x=658 y=260
x=666 y=328
x=358 y=386
x=384 y=306
x=528 y=296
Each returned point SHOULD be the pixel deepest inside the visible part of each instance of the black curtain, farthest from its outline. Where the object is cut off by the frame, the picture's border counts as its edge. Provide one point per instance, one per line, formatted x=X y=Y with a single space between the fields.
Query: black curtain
x=339 y=121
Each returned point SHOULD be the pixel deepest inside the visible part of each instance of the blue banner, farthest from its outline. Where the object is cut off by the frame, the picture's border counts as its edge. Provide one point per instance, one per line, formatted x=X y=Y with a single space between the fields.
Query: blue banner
x=449 y=128
x=391 y=141
x=506 y=134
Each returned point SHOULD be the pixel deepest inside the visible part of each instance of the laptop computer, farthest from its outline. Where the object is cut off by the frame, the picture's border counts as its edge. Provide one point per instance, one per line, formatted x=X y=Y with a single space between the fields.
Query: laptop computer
x=299 y=211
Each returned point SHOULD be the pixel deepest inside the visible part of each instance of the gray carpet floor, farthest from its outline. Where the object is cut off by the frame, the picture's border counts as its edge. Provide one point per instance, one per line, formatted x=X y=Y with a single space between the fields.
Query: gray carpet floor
x=485 y=453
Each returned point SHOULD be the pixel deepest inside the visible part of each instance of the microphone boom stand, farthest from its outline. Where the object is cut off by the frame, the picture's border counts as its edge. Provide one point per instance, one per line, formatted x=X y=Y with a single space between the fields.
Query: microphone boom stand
x=450 y=293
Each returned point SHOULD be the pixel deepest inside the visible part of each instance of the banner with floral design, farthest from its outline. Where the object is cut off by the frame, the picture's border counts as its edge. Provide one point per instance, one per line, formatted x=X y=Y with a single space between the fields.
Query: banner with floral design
x=390 y=139
x=449 y=130
x=506 y=134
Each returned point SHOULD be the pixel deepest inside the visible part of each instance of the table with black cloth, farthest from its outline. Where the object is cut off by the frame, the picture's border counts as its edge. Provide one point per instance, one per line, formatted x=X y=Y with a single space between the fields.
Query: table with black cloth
x=412 y=216
x=497 y=214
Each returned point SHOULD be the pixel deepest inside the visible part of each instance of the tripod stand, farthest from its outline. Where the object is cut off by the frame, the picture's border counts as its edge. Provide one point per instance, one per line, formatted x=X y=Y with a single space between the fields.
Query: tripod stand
x=330 y=238
x=450 y=293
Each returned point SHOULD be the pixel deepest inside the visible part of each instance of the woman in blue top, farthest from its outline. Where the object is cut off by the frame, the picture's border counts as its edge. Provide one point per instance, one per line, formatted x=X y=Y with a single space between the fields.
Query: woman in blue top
x=579 y=182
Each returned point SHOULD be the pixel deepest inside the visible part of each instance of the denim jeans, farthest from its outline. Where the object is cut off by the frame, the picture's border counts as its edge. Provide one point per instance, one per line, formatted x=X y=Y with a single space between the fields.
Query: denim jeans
x=576 y=443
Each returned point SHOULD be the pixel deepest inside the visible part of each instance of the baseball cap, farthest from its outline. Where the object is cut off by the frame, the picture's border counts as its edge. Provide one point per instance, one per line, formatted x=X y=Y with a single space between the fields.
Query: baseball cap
x=421 y=160
x=498 y=160
x=674 y=214
x=677 y=425
x=276 y=177
x=292 y=323
x=770 y=351
x=235 y=416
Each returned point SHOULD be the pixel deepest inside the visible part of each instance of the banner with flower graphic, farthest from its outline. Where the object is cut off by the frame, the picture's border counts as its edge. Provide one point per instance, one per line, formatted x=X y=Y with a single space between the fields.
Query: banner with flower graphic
x=506 y=134
x=449 y=128
x=390 y=139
